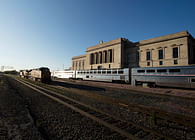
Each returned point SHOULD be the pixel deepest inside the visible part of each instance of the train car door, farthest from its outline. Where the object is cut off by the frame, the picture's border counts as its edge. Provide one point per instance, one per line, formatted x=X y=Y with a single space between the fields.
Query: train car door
x=192 y=81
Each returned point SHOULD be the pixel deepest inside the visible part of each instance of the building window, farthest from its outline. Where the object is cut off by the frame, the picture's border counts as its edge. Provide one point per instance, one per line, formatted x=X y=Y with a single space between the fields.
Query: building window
x=175 y=62
x=147 y=55
x=100 y=57
x=105 y=57
x=160 y=54
x=137 y=56
x=110 y=51
x=160 y=62
x=91 y=59
x=148 y=63
x=175 y=52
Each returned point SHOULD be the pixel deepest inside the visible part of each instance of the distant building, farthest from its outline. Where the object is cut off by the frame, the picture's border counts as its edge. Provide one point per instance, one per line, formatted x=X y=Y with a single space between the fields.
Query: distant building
x=7 y=68
x=176 y=49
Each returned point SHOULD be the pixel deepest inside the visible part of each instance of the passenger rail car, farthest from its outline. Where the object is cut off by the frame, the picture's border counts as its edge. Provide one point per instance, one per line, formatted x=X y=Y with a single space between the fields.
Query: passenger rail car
x=180 y=76
x=41 y=74
x=108 y=75
x=64 y=74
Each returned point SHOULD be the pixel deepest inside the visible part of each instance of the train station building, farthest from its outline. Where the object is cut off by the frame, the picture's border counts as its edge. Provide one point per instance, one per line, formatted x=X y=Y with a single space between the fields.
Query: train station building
x=176 y=49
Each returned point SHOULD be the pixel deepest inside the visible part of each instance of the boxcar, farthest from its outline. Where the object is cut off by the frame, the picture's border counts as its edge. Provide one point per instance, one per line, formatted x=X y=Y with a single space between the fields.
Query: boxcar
x=180 y=76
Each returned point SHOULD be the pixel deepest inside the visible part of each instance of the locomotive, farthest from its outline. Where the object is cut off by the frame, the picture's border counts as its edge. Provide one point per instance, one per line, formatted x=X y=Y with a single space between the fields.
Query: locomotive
x=42 y=74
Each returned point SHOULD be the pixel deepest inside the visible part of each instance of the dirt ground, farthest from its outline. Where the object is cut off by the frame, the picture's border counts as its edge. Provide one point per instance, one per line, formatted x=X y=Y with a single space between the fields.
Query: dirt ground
x=15 y=120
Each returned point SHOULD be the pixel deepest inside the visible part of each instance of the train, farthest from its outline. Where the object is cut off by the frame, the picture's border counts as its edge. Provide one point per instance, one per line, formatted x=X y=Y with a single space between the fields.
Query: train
x=42 y=74
x=107 y=75
x=178 y=76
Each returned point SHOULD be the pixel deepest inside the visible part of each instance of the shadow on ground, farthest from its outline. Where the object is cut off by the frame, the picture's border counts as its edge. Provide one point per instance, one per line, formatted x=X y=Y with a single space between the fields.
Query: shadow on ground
x=77 y=86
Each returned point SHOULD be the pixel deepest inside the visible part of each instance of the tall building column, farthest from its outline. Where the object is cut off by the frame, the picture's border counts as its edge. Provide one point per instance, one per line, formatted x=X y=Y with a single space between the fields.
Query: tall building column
x=103 y=57
x=100 y=57
x=108 y=56
x=94 y=58
x=97 y=58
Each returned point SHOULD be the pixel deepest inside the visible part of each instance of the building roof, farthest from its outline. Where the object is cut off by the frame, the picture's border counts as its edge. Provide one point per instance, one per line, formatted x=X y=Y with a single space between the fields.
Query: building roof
x=80 y=56
x=163 y=38
x=104 y=44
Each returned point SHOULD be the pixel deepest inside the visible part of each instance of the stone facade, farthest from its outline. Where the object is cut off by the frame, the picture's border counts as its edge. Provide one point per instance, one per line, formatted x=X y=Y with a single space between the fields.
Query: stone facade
x=171 y=50
x=79 y=62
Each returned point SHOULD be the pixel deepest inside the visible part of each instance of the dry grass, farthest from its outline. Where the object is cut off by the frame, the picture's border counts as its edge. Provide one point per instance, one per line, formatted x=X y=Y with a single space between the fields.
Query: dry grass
x=1 y=82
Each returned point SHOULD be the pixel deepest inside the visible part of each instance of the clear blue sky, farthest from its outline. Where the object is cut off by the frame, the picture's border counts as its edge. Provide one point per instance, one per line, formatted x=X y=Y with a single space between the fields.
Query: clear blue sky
x=36 y=33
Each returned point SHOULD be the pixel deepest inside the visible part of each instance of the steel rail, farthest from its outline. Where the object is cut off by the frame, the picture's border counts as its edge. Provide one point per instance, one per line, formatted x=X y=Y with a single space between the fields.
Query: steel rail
x=104 y=121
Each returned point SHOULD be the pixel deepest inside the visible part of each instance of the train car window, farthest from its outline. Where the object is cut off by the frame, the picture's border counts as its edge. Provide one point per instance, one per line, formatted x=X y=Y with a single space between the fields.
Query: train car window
x=87 y=76
x=109 y=72
x=120 y=72
x=87 y=72
x=174 y=70
x=140 y=71
x=161 y=70
x=150 y=70
x=91 y=72
x=114 y=72
x=94 y=72
x=99 y=71
x=103 y=72
x=193 y=80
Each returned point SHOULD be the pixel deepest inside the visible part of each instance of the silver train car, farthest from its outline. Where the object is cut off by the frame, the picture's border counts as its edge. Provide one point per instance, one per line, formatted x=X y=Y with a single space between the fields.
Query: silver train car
x=108 y=75
x=67 y=74
x=179 y=76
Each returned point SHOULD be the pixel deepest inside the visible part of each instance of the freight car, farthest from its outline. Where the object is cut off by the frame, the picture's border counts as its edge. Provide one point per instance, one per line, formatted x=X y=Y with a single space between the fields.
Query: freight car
x=41 y=74
x=179 y=76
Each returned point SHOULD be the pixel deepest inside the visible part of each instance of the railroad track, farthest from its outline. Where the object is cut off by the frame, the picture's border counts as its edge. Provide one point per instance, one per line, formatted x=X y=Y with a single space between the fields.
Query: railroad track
x=126 y=129
x=133 y=90
x=170 y=116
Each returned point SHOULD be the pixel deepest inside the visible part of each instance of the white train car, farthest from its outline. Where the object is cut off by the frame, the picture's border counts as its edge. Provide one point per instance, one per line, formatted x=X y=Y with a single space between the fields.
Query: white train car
x=64 y=74
x=109 y=75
